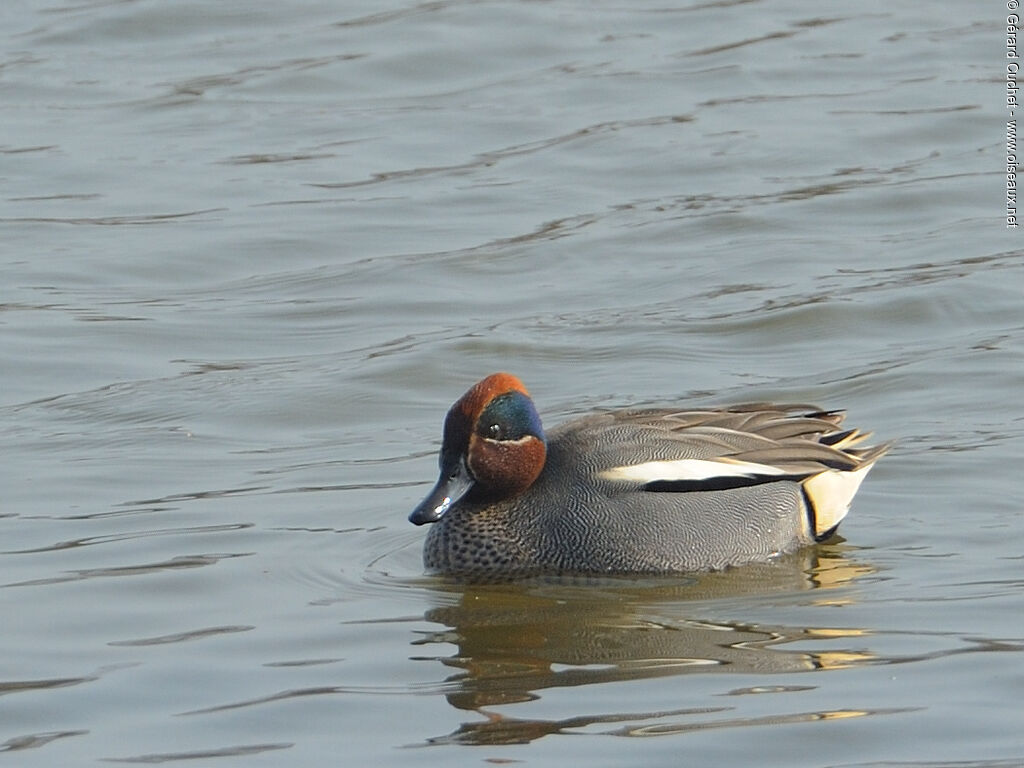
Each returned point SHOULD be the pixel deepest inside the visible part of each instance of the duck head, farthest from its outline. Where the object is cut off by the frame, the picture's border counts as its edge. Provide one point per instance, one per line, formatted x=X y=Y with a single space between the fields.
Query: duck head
x=493 y=447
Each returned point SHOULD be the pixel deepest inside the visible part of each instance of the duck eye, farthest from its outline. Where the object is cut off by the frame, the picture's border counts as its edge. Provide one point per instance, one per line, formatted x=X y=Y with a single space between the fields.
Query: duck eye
x=508 y=418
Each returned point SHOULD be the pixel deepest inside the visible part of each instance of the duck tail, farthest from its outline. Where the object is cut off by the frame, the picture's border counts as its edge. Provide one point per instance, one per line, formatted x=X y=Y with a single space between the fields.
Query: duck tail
x=828 y=494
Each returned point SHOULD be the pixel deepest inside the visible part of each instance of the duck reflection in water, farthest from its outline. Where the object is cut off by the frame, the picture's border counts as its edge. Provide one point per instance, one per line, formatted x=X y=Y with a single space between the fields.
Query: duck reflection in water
x=517 y=639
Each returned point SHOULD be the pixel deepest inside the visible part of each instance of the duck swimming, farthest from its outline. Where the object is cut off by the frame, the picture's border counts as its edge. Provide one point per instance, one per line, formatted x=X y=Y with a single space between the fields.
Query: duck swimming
x=633 y=491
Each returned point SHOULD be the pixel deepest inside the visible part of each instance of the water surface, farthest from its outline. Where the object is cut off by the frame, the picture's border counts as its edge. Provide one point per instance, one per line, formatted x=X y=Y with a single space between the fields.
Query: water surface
x=250 y=255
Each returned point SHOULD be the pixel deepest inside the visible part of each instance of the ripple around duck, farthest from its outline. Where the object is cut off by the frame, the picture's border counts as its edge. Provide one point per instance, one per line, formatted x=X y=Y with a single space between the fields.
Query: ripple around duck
x=515 y=658
x=389 y=568
x=509 y=642
x=510 y=730
x=388 y=571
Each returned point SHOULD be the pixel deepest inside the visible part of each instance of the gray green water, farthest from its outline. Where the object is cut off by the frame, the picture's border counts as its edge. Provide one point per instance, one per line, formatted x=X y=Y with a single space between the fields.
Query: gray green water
x=250 y=253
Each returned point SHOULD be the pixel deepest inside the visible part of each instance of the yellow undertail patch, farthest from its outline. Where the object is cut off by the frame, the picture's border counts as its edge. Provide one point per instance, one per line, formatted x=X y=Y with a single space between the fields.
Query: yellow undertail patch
x=830 y=494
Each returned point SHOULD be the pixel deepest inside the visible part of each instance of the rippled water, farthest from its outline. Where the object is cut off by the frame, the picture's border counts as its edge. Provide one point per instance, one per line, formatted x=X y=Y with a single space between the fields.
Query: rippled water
x=251 y=253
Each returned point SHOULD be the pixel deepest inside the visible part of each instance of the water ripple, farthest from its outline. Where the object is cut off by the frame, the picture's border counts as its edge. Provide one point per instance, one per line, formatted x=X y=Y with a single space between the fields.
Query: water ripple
x=180 y=562
x=35 y=740
x=239 y=750
x=181 y=637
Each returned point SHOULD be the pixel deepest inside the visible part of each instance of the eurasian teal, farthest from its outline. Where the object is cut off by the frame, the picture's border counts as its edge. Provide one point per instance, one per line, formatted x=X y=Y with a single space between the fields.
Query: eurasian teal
x=633 y=491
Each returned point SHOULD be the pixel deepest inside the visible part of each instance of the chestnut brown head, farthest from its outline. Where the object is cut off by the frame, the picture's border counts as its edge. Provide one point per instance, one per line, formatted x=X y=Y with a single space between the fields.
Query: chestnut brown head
x=493 y=447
